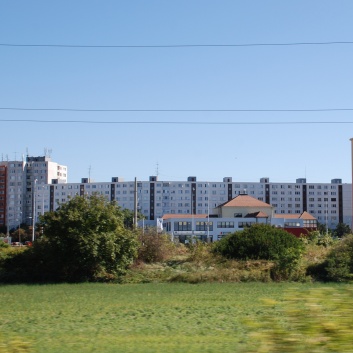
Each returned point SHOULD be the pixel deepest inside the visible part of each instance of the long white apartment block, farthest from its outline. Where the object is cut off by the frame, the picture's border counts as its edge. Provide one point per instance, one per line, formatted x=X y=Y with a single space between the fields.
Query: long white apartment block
x=330 y=203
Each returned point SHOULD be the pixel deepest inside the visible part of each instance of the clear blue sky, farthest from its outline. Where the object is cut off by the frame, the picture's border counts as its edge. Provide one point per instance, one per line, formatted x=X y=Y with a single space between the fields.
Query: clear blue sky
x=258 y=77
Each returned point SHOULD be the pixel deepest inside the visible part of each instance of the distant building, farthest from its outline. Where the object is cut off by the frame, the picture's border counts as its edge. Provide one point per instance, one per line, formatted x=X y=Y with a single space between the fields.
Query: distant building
x=17 y=179
x=330 y=203
x=234 y=215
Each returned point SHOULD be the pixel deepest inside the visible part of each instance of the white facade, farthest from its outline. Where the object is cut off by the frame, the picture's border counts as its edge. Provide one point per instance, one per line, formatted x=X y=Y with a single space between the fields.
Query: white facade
x=329 y=203
x=213 y=229
x=22 y=177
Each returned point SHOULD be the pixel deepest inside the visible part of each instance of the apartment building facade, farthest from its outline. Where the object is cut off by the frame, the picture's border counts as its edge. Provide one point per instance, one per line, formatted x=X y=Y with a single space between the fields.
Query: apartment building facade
x=330 y=203
x=18 y=179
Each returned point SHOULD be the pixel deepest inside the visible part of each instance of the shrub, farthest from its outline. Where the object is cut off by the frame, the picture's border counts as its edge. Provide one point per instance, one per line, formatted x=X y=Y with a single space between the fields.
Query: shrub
x=316 y=238
x=258 y=242
x=154 y=247
x=84 y=240
x=264 y=242
x=339 y=263
x=200 y=252
x=319 y=320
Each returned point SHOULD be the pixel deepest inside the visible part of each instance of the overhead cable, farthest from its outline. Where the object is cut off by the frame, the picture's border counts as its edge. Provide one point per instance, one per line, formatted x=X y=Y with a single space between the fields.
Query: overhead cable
x=174 y=45
x=180 y=110
x=165 y=122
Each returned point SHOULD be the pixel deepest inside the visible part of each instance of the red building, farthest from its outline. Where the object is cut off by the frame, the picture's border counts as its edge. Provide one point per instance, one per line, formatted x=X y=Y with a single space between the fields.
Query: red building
x=298 y=224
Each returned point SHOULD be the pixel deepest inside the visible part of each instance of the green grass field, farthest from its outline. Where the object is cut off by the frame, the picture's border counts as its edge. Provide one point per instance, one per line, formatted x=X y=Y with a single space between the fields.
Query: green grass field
x=217 y=317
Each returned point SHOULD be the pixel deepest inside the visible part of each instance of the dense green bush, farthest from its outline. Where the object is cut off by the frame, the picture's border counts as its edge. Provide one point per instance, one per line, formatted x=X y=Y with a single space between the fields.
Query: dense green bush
x=339 y=263
x=316 y=238
x=264 y=242
x=84 y=240
x=258 y=242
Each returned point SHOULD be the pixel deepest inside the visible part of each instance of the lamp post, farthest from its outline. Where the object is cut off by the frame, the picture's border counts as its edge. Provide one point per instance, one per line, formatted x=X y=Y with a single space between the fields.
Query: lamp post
x=192 y=214
x=208 y=212
x=43 y=200
x=34 y=209
x=19 y=228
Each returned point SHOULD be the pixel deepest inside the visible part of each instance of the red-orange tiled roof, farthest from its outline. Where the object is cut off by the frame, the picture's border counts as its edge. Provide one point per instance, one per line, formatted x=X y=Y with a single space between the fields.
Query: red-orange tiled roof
x=303 y=215
x=245 y=201
x=259 y=214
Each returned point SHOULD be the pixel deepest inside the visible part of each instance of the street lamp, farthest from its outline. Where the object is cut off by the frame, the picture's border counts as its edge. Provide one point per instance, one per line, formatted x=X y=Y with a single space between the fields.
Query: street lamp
x=208 y=212
x=19 y=227
x=43 y=187
x=34 y=208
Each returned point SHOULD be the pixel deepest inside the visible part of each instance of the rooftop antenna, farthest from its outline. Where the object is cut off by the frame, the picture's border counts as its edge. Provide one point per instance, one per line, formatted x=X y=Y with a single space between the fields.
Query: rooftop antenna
x=27 y=151
x=157 y=169
x=15 y=156
x=89 y=174
x=50 y=151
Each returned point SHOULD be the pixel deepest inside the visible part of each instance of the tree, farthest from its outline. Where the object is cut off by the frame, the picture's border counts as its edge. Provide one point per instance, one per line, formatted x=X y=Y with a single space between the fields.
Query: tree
x=153 y=246
x=341 y=230
x=339 y=262
x=84 y=240
x=128 y=216
x=258 y=242
x=265 y=242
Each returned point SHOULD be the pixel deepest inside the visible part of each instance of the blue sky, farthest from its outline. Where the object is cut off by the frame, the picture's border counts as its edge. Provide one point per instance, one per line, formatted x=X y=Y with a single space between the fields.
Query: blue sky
x=258 y=77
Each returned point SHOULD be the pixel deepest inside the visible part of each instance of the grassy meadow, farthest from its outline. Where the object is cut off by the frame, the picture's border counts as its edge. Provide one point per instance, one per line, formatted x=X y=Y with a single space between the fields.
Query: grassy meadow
x=174 y=317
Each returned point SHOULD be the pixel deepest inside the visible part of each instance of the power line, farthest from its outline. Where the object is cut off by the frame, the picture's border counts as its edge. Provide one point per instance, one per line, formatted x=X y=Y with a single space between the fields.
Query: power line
x=174 y=45
x=176 y=122
x=180 y=110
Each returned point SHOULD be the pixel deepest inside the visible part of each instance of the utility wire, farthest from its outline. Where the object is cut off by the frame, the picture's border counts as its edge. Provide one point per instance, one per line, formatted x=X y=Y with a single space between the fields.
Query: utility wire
x=180 y=110
x=176 y=122
x=175 y=45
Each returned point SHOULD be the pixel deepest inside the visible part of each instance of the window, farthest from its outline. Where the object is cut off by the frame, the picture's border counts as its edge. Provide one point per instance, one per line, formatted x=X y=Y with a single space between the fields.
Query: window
x=203 y=226
x=225 y=224
x=182 y=226
x=245 y=224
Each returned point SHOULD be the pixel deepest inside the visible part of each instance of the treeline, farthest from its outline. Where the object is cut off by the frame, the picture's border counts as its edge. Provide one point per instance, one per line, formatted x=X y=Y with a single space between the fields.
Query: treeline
x=90 y=239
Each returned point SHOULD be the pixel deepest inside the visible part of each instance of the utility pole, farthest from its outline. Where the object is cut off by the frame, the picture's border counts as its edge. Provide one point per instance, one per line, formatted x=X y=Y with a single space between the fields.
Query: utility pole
x=135 y=204
x=34 y=209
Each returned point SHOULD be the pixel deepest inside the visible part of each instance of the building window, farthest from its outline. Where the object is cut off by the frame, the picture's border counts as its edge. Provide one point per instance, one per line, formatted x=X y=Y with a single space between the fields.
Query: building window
x=225 y=224
x=245 y=224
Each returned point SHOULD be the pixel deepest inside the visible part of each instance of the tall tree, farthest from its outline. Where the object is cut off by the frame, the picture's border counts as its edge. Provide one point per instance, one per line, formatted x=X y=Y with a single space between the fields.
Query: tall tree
x=341 y=230
x=87 y=239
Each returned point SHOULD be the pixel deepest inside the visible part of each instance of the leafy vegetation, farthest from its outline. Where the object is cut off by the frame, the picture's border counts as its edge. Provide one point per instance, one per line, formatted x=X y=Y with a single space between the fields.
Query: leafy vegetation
x=264 y=242
x=339 y=262
x=341 y=230
x=259 y=242
x=314 y=320
x=84 y=240
x=153 y=246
